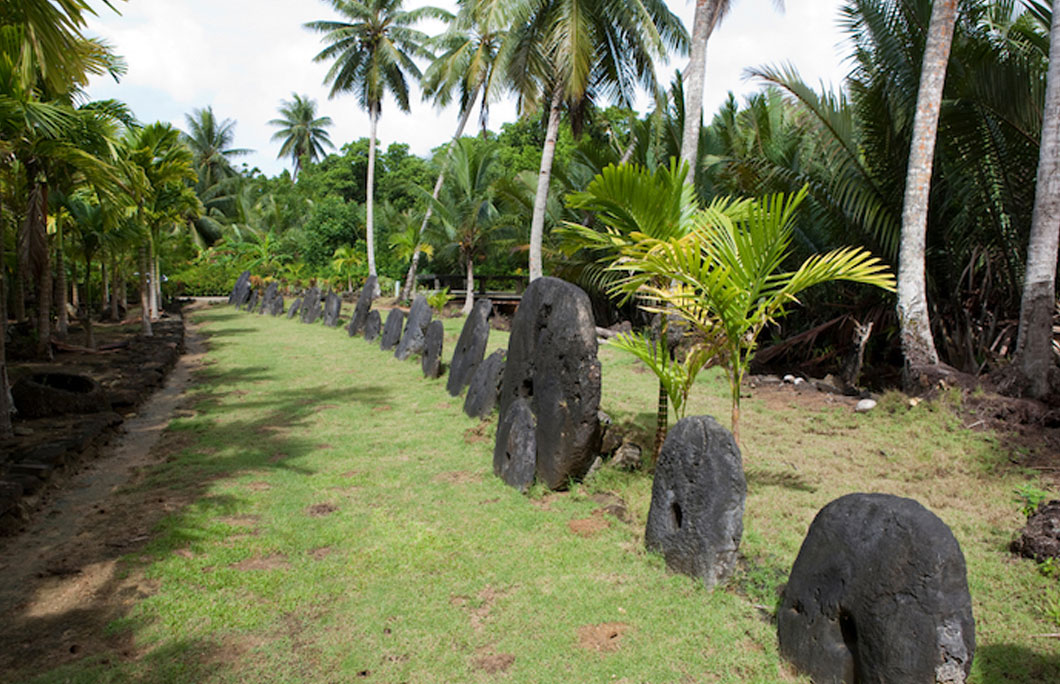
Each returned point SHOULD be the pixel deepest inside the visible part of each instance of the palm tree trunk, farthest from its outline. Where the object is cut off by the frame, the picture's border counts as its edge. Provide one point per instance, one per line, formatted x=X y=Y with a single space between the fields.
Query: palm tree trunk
x=40 y=260
x=537 y=224
x=662 y=420
x=104 y=294
x=44 y=313
x=152 y=304
x=918 y=344
x=469 y=300
x=19 y=294
x=145 y=296
x=156 y=283
x=702 y=26
x=118 y=289
x=369 y=205
x=63 y=324
x=90 y=338
x=410 y=279
x=5 y=397
x=1034 y=353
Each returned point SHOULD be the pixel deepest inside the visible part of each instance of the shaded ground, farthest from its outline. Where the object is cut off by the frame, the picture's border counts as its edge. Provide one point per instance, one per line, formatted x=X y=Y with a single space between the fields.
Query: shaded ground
x=61 y=580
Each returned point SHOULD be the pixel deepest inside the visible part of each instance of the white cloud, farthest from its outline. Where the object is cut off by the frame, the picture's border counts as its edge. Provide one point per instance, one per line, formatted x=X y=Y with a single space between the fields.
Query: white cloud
x=243 y=56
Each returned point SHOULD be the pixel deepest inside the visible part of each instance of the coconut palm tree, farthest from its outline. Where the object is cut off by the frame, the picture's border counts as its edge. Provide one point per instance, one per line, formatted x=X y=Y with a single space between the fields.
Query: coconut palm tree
x=372 y=50
x=918 y=344
x=569 y=53
x=1034 y=355
x=466 y=219
x=467 y=64
x=210 y=141
x=303 y=133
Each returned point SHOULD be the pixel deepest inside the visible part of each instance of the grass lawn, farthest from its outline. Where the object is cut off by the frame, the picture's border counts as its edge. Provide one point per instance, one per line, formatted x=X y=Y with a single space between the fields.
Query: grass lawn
x=341 y=523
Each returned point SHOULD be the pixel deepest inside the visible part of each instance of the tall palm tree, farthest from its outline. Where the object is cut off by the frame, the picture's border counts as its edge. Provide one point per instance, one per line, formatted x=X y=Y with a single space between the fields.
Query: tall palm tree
x=164 y=168
x=569 y=53
x=709 y=14
x=372 y=50
x=466 y=218
x=855 y=156
x=1035 y=350
x=303 y=133
x=918 y=344
x=468 y=64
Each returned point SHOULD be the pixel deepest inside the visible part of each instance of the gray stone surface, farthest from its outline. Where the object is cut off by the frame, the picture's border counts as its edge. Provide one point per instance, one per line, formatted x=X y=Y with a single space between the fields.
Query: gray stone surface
x=241 y=290
x=395 y=322
x=253 y=301
x=415 y=329
x=332 y=309
x=431 y=361
x=627 y=456
x=515 y=458
x=276 y=305
x=373 y=325
x=1040 y=537
x=296 y=307
x=697 y=501
x=311 y=306
x=271 y=293
x=878 y=593
x=485 y=386
x=552 y=364
x=470 y=348
x=364 y=305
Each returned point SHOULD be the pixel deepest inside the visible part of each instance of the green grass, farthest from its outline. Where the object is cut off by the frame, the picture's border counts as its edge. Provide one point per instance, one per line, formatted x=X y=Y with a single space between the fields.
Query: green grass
x=342 y=523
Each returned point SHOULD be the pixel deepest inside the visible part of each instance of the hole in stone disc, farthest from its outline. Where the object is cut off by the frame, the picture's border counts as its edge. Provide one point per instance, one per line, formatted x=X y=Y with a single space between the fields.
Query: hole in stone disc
x=849 y=629
x=675 y=511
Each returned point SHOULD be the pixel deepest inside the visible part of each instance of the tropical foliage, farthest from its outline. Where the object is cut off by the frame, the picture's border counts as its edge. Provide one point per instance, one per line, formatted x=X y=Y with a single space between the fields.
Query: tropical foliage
x=725 y=279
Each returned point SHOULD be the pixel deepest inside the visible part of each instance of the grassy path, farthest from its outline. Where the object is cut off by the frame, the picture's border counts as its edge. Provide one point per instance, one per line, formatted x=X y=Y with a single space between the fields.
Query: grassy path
x=341 y=523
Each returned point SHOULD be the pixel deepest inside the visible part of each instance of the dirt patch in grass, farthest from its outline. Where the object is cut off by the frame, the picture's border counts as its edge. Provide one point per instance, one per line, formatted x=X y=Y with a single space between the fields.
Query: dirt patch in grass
x=587 y=527
x=602 y=638
x=277 y=457
x=259 y=486
x=382 y=407
x=321 y=552
x=493 y=663
x=184 y=553
x=350 y=473
x=545 y=502
x=456 y=477
x=319 y=510
x=274 y=561
x=479 y=614
x=324 y=447
x=476 y=434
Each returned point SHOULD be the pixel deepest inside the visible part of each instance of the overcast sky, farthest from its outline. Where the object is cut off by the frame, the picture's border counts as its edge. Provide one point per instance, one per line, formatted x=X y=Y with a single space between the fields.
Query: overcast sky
x=242 y=57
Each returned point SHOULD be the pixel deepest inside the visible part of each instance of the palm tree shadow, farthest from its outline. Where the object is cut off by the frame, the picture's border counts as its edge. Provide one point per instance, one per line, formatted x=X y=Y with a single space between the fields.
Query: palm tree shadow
x=758 y=476
x=1006 y=663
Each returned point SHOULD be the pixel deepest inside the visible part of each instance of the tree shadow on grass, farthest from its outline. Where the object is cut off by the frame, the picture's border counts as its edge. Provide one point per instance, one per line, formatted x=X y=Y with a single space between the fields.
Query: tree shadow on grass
x=758 y=476
x=1007 y=663
x=76 y=615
